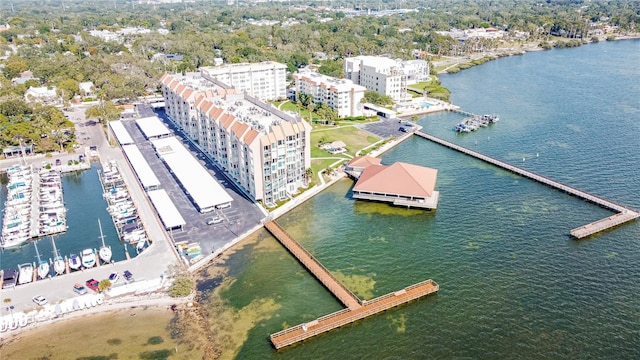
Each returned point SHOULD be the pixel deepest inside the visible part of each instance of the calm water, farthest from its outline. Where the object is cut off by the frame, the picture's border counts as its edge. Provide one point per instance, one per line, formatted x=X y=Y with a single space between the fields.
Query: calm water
x=513 y=284
x=85 y=205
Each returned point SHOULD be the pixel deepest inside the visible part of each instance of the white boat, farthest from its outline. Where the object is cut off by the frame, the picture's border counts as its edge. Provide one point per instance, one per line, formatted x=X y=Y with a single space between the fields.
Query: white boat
x=105 y=251
x=74 y=262
x=43 y=266
x=140 y=246
x=88 y=258
x=25 y=273
x=58 y=262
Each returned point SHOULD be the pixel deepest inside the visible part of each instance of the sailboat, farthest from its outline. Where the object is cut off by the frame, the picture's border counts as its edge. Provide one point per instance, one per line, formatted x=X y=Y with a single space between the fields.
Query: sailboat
x=43 y=266
x=105 y=251
x=58 y=261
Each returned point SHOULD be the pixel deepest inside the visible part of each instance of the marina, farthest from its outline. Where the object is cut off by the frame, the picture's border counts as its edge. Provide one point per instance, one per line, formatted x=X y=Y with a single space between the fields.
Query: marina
x=624 y=214
x=356 y=309
x=473 y=122
x=34 y=207
x=121 y=207
x=62 y=253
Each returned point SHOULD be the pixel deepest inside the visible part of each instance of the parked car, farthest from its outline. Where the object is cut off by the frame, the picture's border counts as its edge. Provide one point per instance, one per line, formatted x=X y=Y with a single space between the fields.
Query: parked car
x=402 y=129
x=39 y=300
x=58 y=162
x=93 y=284
x=78 y=288
x=113 y=277
x=128 y=275
x=215 y=220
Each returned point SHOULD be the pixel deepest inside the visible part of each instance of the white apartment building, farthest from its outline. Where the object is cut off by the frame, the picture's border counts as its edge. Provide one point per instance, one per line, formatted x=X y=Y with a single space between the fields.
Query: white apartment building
x=385 y=76
x=339 y=94
x=266 y=80
x=265 y=150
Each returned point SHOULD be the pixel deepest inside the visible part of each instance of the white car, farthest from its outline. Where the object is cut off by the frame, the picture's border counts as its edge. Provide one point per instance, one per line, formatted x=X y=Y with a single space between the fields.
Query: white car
x=215 y=220
x=39 y=300
x=113 y=277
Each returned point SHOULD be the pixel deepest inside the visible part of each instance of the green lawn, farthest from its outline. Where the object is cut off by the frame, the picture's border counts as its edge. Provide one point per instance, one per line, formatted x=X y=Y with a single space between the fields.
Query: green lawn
x=434 y=89
x=355 y=139
x=321 y=164
x=289 y=106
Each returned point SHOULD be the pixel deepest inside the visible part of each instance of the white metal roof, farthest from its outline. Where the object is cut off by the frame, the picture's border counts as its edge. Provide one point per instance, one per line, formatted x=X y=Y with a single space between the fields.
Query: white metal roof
x=201 y=186
x=122 y=135
x=143 y=170
x=152 y=127
x=168 y=213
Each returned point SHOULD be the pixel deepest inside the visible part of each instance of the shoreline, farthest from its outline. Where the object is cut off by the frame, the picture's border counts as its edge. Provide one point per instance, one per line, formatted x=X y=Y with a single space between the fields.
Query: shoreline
x=110 y=306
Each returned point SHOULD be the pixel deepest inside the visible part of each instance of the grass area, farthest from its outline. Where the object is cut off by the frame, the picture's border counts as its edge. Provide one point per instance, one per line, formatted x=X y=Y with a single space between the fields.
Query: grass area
x=320 y=164
x=355 y=139
x=434 y=89
x=290 y=106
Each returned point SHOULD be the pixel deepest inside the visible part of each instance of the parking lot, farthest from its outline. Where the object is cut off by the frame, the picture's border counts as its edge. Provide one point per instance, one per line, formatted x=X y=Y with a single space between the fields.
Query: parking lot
x=386 y=128
x=241 y=216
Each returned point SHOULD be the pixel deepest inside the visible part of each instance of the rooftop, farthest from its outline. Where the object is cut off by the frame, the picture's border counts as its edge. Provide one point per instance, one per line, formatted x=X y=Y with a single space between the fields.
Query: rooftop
x=331 y=82
x=399 y=179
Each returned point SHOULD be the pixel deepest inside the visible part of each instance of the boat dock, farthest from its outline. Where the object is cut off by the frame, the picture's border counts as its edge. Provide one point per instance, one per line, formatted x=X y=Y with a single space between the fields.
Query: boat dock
x=624 y=214
x=356 y=308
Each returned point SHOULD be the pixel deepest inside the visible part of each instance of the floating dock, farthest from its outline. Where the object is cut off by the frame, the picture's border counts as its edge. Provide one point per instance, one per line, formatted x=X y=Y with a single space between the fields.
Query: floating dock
x=624 y=214
x=356 y=308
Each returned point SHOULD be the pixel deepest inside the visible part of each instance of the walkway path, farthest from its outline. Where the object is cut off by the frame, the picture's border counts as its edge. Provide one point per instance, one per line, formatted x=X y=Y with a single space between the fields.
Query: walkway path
x=625 y=214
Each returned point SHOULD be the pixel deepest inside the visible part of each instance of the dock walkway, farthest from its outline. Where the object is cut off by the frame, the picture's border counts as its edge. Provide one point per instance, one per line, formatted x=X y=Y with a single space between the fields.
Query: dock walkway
x=356 y=309
x=327 y=279
x=625 y=214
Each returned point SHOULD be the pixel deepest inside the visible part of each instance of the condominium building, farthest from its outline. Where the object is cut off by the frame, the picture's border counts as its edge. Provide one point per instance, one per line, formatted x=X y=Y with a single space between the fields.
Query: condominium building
x=266 y=80
x=266 y=151
x=339 y=94
x=385 y=76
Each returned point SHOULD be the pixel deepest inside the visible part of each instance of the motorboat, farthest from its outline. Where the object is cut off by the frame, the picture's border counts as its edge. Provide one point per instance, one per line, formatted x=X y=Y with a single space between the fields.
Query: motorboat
x=105 y=251
x=43 y=266
x=141 y=245
x=25 y=273
x=58 y=261
x=9 y=278
x=75 y=262
x=88 y=258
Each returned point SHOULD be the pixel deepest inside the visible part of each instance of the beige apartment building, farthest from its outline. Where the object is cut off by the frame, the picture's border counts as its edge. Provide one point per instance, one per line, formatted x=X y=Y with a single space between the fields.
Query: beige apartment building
x=384 y=75
x=265 y=150
x=341 y=95
x=266 y=80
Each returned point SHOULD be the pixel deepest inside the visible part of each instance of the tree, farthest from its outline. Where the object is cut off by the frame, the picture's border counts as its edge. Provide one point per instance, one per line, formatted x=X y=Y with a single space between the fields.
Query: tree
x=104 y=285
x=373 y=97
x=106 y=111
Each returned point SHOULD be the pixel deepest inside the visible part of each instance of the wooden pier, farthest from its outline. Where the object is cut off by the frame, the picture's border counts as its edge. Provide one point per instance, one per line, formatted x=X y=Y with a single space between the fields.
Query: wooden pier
x=624 y=214
x=356 y=309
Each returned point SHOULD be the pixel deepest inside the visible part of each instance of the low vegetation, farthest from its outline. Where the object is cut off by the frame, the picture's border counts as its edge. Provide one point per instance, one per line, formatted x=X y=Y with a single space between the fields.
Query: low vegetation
x=183 y=282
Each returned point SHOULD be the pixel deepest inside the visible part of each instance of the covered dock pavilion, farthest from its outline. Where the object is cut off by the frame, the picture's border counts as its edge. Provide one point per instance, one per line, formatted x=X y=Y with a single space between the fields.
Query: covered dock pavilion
x=153 y=128
x=401 y=184
x=121 y=134
x=144 y=172
x=204 y=190
x=167 y=211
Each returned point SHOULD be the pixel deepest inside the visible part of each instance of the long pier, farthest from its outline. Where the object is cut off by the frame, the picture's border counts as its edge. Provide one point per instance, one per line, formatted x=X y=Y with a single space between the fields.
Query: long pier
x=356 y=308
x=624 y=214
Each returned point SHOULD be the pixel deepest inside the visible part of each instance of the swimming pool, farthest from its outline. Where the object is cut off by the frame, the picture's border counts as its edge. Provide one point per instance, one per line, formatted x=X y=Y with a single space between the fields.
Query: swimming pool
x=426 y=104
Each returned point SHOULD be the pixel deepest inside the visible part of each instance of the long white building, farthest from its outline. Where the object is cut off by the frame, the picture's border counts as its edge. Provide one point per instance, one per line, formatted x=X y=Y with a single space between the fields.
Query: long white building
x=265 y=150
x=339 y=94
x=266 y=80
x=385 y=76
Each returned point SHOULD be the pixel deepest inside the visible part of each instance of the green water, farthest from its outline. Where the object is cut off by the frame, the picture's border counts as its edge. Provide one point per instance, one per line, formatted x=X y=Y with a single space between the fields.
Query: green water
x=513 y=284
